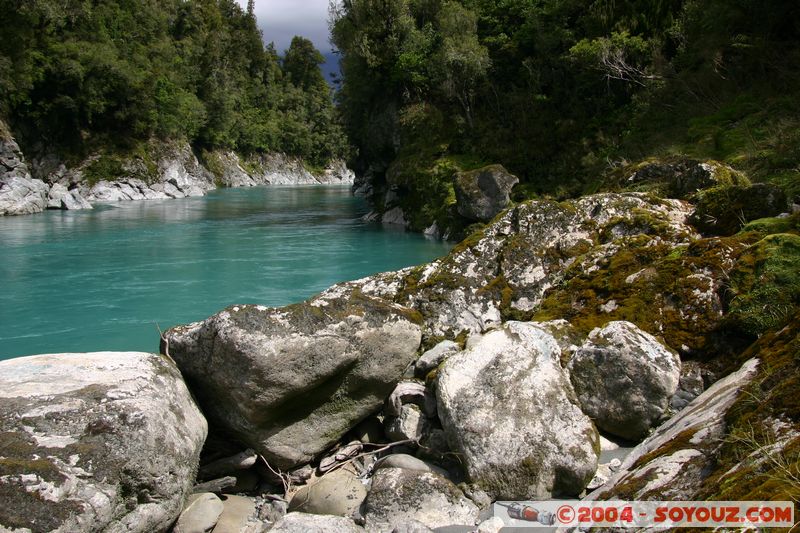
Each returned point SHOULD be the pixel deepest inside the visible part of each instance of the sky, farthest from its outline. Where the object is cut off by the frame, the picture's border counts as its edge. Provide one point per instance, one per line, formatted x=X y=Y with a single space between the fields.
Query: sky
x=280 y=20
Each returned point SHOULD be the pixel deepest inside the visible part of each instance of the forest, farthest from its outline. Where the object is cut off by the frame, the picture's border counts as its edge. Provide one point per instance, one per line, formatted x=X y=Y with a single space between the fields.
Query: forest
x=84 y=75
x=562 y=92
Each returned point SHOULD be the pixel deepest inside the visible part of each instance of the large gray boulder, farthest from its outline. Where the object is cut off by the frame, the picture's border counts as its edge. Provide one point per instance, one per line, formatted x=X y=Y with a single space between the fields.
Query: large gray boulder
x=398 y=495
x=20 y=194
x=96 y=442
x=482 y=194
x=509 y=410
x=290 y=382
x=624 y=379
x=672 y=463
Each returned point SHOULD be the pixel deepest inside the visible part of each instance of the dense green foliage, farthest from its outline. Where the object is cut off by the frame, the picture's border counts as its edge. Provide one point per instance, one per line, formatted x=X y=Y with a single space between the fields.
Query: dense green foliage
x=87 y=73
x=562 y=91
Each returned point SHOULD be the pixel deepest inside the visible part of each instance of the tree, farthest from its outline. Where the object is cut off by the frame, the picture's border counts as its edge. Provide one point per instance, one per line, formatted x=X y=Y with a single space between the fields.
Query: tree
x=301 y=64
x=462 y=61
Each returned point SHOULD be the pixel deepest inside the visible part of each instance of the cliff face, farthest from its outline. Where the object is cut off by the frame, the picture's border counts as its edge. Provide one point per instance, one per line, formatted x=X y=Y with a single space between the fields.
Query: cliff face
x=155 y=171
x=20 y=194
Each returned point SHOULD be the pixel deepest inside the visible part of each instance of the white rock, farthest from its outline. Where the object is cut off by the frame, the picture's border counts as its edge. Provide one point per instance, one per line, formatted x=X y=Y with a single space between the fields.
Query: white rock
x=112 y=441
x=508 y=408
x=312 y=523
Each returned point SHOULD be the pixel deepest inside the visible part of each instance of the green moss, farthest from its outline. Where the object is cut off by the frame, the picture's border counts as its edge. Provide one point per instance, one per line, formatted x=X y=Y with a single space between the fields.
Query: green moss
x=682 y=441
x=724 y=210
x=43 y=468
x=673 y=176
x=744 y=470
x=770 y=226
x=469 y=242
x=765 y=284
x=104 y=168
x=629 y=488
x=213 y=162
x=652 y=286
x=424 y=176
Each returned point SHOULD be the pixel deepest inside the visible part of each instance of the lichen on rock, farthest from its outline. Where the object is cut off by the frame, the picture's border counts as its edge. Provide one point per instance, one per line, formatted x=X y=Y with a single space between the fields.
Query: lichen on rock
x=289 y=382
x=102 y=441
x=509 y=410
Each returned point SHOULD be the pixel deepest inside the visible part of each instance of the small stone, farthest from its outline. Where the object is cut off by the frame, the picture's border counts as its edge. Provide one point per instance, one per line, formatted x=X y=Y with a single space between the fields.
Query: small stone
x=200 y=515
x=339 y=493
x=407 y=462
x=434 y=357
x=237 y=511
x=311 y=523
x=410 y=425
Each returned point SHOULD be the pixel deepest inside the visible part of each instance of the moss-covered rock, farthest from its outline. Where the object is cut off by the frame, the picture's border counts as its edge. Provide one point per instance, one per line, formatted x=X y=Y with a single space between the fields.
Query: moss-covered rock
x=769 y=226
x=483 y=193
x=505 y=270
x=674 y=177
x=760 y=456
x=764 y=288
x=670 y=291
x=724 y=210
x=289 y=382
x=675 y=462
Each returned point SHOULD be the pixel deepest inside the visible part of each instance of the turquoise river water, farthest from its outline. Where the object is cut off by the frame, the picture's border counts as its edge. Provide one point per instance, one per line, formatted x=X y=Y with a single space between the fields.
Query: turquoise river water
x=105 y=279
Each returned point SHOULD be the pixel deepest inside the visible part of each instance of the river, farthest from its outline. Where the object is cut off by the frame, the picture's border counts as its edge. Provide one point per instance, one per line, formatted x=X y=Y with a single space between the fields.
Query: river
x=106 y=279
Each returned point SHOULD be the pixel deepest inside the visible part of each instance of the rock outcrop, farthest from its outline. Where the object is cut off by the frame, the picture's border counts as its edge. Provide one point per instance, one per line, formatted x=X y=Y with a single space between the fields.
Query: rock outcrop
x=506 y=270
x=724 y=210
x=624 y=379
x=676 y=177
x=20 y=194
x=158 y=171
x=482 y=194
x=508 y=409
x=99 y=441
x=62 y=198
x=274 y=169
x=672 y=463
x=290 y=382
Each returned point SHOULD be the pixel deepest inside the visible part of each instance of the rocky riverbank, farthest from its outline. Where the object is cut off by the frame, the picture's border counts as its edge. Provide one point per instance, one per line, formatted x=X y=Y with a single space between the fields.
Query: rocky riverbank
x=411 y=400
x=159 y=171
